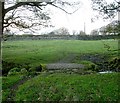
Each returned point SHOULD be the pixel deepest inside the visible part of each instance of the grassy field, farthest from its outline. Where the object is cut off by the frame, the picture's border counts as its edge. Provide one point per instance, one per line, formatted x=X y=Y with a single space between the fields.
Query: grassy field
x=58 y=86
x=63 y=87
x=70 y=87
x=50 y=51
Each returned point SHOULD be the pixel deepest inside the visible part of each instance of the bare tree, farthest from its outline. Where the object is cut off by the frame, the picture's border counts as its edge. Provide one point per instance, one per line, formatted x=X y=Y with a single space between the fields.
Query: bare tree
x=12 y=13
x=61 y=31
x=94 y=32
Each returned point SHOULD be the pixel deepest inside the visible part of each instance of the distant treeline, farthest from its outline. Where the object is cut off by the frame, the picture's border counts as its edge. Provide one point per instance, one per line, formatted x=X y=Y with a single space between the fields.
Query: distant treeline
x=58 y=37
x=97 y=37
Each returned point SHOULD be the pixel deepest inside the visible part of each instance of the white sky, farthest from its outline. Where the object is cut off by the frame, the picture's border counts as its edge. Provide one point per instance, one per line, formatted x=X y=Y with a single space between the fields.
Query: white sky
x=75 y=21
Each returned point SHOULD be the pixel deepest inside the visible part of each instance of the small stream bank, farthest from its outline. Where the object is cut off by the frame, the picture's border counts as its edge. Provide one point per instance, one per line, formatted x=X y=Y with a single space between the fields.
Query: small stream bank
x=102 y=62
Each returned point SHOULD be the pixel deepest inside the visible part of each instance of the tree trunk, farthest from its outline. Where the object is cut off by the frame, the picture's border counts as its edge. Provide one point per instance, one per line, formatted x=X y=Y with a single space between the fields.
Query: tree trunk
x=1 y=18
x=1 y=34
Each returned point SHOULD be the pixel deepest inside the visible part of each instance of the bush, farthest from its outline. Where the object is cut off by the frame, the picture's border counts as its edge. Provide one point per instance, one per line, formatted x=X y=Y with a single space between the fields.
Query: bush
x=36 y=69
x=93 y=67
x=14 y=71
x=114 y=64
x=7 y=66
x=31 y=69
x=90 y=66
x=26 y=66
x=23 y=71
x=43 y=67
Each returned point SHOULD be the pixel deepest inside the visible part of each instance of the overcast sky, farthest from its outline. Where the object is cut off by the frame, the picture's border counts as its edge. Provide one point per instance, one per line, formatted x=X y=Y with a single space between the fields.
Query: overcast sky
x=75 y=21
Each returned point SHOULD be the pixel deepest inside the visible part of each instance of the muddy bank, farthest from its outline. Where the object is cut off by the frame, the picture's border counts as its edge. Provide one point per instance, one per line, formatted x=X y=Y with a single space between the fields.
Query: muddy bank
x=102 y=62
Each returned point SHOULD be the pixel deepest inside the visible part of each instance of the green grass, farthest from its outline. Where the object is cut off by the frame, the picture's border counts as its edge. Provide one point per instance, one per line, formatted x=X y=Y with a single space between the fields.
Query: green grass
x=35 y=52
x=7 y=83
x=59 y=86
x=67 y=87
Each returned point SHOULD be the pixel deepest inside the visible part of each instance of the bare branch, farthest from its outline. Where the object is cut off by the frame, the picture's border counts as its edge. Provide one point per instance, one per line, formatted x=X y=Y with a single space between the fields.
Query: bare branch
x=14 y=7
x=13 y=19
x=19 y=4
x=64 y=9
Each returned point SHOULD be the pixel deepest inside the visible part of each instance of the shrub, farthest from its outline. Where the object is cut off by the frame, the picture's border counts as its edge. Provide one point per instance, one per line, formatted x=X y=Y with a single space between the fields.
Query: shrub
x=23 y=71
x=93 y=67
x=14 y=71
x=90 y=66
x=114 y=64
x=43 y=67
x=31 y=69
x=7 y=66
x=38 y=68
x=26 y=66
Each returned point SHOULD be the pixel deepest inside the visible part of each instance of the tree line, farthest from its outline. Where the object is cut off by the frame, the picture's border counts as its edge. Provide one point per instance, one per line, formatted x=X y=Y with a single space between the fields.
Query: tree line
x=59 y=37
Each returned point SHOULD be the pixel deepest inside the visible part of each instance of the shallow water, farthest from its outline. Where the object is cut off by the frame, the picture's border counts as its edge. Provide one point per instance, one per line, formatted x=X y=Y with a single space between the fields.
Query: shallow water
x=105 y=72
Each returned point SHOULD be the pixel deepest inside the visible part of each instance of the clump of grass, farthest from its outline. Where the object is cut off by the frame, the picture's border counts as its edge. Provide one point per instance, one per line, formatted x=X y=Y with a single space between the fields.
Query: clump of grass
x=67 y=87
